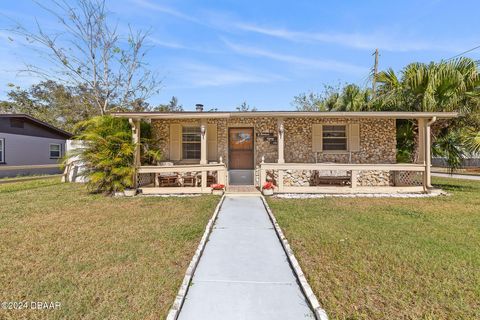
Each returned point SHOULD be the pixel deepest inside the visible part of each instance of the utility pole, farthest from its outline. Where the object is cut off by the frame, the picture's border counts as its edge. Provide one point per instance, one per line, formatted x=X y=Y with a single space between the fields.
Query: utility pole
x=375 y=71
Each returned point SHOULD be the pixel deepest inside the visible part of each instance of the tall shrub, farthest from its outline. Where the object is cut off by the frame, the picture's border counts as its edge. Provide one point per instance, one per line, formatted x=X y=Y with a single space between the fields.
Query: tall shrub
x=108 y=154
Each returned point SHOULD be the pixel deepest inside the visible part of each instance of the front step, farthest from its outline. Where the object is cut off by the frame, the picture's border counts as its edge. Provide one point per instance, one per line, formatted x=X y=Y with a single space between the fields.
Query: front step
x=242 y=190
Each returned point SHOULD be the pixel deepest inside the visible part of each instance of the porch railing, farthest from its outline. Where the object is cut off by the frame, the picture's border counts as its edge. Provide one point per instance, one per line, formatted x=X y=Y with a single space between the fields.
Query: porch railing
x=193 y=178
x=343 y=178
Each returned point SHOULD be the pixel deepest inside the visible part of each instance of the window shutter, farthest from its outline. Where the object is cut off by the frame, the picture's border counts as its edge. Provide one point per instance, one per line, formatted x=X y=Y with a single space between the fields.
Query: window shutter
x=317 y=138
x=354 y=137
x=212 y=142
x=175 y=141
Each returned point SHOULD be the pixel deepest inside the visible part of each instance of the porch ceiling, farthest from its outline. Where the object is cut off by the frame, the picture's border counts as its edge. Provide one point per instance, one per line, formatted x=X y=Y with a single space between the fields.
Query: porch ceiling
x=284 y=114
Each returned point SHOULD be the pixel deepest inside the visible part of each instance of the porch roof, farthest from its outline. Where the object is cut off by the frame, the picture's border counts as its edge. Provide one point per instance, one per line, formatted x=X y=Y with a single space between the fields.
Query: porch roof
x=284 y=114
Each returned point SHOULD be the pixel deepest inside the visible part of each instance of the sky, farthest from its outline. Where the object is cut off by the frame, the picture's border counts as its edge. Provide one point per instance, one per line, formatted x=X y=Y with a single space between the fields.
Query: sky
x=222 y=53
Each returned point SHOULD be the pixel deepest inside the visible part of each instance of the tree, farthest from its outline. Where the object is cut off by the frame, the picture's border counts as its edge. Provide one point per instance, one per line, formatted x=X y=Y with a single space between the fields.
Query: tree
x=244 y=107
x=51 y=102
x=353 y=98
x=88 y=51
x=108 y=154
x=444 y=86
x=309 y=102
x=350 y=97
x=172 y=106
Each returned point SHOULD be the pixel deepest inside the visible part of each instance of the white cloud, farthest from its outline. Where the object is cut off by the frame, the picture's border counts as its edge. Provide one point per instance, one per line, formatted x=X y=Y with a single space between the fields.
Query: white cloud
x=323 y=64
x=202 y=75
x=166 y=44
x=388 y=42
x=164 y=9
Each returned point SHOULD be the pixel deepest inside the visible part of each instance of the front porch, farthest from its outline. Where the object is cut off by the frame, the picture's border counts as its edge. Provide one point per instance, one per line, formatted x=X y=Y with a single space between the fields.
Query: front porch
x=290 y=149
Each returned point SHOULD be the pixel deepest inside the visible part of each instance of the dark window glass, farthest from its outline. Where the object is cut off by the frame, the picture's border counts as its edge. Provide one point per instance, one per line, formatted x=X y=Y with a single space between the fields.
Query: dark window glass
x=334 y=137
x=191 y=143
x=55 y=151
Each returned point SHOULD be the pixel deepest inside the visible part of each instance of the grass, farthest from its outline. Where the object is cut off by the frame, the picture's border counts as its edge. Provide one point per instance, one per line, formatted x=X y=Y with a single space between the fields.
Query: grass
x=100 y=257
x=390 y=258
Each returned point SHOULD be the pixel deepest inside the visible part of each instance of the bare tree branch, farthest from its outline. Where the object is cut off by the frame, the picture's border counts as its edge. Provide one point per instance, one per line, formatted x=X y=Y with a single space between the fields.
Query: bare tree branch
x=90 y=52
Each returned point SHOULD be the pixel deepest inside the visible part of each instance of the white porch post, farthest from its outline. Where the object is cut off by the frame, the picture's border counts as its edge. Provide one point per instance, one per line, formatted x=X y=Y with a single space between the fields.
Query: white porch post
x=354 y=179
x=281 y=141
x=135 y=123
x=421 y=123
x=203 y=142
x=428 y=157
x=421 y=151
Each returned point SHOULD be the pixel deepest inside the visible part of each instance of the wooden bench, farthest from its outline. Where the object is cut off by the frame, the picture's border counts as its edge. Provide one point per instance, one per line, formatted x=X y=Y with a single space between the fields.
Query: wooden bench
x=168 y=181
x=318 y=179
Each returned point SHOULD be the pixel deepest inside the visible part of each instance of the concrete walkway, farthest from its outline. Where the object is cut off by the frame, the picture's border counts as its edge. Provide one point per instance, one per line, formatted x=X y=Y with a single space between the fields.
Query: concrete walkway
x=244 y=272
x=456 y=176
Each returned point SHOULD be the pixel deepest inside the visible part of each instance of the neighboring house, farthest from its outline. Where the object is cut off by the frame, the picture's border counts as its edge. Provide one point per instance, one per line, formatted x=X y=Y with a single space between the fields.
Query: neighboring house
x=299 y=151
x=29 y=146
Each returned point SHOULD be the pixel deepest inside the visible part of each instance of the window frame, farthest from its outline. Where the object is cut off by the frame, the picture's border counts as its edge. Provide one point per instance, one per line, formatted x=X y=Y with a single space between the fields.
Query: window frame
x=2 y=150
x=183 y=143
x=346 y=138
x=59 y=150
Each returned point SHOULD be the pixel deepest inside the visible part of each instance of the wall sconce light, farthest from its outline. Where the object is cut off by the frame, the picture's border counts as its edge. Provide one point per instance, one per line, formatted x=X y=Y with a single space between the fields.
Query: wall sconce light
x=203 y=130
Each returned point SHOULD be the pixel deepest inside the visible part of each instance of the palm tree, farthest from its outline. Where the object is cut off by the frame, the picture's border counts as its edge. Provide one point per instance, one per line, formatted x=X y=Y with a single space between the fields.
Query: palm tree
x=444 y=86
x=109 y=151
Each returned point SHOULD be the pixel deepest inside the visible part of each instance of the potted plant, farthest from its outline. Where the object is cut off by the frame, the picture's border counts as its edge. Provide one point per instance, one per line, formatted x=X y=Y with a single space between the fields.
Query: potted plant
x=267 y=188
x=130 y=192
x=217 y=189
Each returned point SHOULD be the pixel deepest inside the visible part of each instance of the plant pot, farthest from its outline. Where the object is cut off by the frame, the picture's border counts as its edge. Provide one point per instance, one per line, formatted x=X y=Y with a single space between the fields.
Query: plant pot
x=119 y=194
x=130 y=192
x=217 y=192
x=267 y=192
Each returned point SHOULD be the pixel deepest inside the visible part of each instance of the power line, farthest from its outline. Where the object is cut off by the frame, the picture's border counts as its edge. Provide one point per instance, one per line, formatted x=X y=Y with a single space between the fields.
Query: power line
x=461 y=54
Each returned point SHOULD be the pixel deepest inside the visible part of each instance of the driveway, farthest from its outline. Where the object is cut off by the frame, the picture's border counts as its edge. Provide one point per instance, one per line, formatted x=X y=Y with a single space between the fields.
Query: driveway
x=244 y=272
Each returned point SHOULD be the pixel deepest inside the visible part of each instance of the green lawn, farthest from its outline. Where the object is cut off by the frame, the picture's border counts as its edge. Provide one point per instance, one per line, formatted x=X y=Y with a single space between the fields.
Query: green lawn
x=99 y=257
x=390 y=258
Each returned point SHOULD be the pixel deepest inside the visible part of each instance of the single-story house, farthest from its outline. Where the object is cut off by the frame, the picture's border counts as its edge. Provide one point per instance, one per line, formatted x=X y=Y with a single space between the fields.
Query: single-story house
x=29 y=146
x=311 y=152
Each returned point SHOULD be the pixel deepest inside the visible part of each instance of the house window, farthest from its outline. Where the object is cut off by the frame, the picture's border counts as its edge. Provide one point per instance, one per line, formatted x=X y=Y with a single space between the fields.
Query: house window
x=2 y=150
x=334 y=137
x=55 y=151
x=191 y=143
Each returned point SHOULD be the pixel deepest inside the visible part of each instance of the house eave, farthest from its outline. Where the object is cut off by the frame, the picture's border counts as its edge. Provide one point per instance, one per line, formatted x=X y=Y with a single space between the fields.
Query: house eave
x=284 y=114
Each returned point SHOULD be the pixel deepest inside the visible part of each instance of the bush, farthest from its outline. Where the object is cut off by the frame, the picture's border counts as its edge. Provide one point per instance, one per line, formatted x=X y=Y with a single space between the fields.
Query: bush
x=109 y=151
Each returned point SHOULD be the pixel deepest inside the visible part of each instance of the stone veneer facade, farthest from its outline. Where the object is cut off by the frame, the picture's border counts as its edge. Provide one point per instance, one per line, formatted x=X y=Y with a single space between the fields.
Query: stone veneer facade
x=377 y=143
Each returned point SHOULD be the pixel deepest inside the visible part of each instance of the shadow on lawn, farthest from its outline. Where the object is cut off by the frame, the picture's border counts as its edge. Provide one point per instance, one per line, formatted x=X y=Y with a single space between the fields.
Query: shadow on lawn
x=454 y=187
x=14 y=188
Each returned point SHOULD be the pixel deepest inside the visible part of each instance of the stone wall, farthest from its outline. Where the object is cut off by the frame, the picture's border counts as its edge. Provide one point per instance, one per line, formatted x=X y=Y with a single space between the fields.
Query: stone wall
x=161 y=133
x=260 y=125
x=377 y=144
x=377 y=141
x=371 y=178
x=262 y=147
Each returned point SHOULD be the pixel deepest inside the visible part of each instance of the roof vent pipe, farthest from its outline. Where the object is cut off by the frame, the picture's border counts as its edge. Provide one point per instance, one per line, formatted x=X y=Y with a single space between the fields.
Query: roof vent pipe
x=199 y=107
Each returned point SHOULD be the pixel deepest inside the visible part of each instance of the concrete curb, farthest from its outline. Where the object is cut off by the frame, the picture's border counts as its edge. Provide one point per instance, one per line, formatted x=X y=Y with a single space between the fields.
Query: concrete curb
x=319 y=312
x=432 y=193
x=182 y=292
